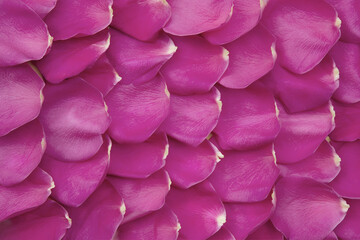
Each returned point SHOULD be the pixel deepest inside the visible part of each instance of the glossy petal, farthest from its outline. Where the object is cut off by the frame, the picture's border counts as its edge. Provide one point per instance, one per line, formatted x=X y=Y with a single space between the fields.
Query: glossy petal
x=222 y=234
x=73 y=116
x=305 y=31
x=306 y=209
x=130 y=123
x=41 y=7
x=349 y=228
x=267 y=231
x=69 y=58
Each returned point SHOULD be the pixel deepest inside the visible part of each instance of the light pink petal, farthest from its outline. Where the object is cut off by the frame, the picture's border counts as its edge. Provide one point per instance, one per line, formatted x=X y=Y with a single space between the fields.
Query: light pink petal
x=139 y=160
x=73 y=116
x=192 y=118
x=267 y=231
x=195 y=67
x=41 y=7
x=21 y=152
x=251 y=57
x=138 y=61
x=302 y=133
x=331 y=236
x=98 y=217
x=199 y=209
x=137 y=110
x=142 y=196
x=20 y=96
x=305 y=31
x=78 y=18
x=69 y=58
x=349 y=228
x=141 y=19
x=28 y=194
x=190 y=17
x=222 y=234
x=248 y=118
x=306 y=209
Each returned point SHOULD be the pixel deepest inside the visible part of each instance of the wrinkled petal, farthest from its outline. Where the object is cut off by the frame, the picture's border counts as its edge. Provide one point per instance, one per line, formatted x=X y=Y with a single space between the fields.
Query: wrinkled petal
x=142 y=196
x=306 y=209
x=222 y=234
x=267 y=231
x=73 y=116
x=305 y=31
x=199 y=209
x=20 y=96
x=195 y=67
x=130 y=123
x=41 y=7
x=349 y=228
x=251 y=57
x=69 y=58
x=21 y=152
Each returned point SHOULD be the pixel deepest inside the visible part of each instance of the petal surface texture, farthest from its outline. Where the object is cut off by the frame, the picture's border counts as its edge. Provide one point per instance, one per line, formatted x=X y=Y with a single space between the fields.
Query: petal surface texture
x=41 y=7
x=348 y=229
x=267 y=231
x=222 y=234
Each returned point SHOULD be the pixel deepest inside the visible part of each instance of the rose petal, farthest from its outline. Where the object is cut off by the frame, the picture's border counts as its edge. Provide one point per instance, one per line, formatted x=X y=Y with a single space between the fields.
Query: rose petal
x=267 y=231
x=331 y=236
x=41 y=7
x=349 y=228
x=222 y=234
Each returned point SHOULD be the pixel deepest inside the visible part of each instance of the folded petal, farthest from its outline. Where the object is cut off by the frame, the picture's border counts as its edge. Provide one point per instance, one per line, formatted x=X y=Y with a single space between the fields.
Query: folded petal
x=130 y=123
x=30 y=193
x=193 y=117
x=41 y=7
x=306 y=209
x=248 y=118
x=266 y=231
x=305 y=31
x=349 y=228
x=138 y=61
x=222 y=234
x=69 y=58
x=20 y=96
x=73 y=116
x=191 y=18
x=331 y=236
x=199 y=209
x=251 y=57
x=78 y=18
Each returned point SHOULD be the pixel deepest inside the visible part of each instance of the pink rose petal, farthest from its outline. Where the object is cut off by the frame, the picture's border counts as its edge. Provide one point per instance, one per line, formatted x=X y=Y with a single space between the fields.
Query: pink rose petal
x=267 y=231
x=222 y=234
x=41 y=7
x=349 y=228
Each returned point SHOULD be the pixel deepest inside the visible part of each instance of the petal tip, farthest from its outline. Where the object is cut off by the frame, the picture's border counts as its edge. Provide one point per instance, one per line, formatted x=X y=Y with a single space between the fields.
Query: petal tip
x=338 y=22
x=166 y=151
x=344 y=205
x=68 y=218
x=221 y=220
x=123 y=208
x=225 y=54
x=337 y=159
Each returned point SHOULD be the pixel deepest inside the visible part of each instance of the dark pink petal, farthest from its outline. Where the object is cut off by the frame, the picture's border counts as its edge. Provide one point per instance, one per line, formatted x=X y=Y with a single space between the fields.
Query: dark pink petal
x=69 y=58
x=195 y=67
x=21 y=152
x=23 y=35
x=28 y=194
x=302 y=133
x=139 y=160
x=251 y=57
x=222 y=234
x=73 y=116
x=300 y=92
x=306 y=209
x=305 y=31
x=248 y=118
x=267 y=231
x=188 y=165
x=190 y=18
x=246 y=176
x=20 y=96
x=160 y=225
x=192 y=118
x=142 y=196
x=138 y=61
x=98 y=217
x=331 y=236
x=78 y=18
x=140 y=19
x=137 y=110
x=41 y=7
x=199 y=209
x=349 y=228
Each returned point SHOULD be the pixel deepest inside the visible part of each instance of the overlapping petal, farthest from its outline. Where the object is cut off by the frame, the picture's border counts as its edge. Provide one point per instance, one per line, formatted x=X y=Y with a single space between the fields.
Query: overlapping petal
x=348 y=229
x=222 y=234
x=267 y=231
x=41 y=7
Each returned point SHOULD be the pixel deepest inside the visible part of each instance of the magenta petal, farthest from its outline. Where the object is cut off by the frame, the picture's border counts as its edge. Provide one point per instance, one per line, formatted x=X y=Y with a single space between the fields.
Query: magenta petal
x=41 y=7
x=21 y=152
x=28 y=194
x=130 y=123
x=332 y=236
x=267 y=231
x=142 y=196
x=251 y=57
x=23 y=36
x=20 y=96
x=222 y=234
x=305 y=31
x=138 y=61
x=190 y=18
x=192 y=118
x=248 y=118
x=195 y=67
x=49 y=221
x=69 y=58
x=139 y=160
x=306 y=209
x=140 y=19
x=160 y=225
x=98 y=217
x=78 y=18
x=349 y=228
x=199 y=209
x=73 y=116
